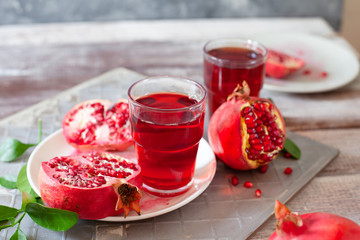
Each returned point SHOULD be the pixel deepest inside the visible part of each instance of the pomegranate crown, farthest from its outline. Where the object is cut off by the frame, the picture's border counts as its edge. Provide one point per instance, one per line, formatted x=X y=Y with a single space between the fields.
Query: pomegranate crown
x=284 y=215
x=240 y=92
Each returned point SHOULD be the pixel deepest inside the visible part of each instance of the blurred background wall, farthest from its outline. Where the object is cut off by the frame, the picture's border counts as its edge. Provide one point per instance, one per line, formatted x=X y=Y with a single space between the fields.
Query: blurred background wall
x=350 y=24
x=342 y=15
x=44 y=11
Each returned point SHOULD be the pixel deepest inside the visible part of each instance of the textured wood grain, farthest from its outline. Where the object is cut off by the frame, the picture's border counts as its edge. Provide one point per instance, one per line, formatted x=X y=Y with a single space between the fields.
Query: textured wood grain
x=36 y=73
x=347 y=141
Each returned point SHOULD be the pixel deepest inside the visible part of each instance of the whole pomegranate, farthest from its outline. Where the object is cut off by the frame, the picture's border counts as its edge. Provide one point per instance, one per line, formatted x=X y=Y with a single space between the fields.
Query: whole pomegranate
x=98 y=125
x=246 y=132
x=95 y=185
x=314 y=226
x=280 y=65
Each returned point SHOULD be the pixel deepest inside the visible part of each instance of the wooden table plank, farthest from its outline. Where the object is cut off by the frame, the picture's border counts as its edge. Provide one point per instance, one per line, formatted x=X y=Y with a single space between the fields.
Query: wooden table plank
x=38 y=72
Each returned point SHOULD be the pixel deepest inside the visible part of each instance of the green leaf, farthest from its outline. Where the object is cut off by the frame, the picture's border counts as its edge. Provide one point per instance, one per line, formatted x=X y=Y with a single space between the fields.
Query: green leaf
x=52 y=218
x=11 y=149
x=39 y=200
x=8 y=181
x=18 y=235
x=23 y=183
x=292 y=148
x=5 y=223
x=27 y=198
x=6 y=213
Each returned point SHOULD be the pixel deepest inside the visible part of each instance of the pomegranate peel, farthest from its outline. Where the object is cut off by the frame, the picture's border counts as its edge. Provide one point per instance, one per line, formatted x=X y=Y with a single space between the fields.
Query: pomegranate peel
x=98 y=125
x=317 y=226
x=280 y=65
x=246 y=132
x=95 y=185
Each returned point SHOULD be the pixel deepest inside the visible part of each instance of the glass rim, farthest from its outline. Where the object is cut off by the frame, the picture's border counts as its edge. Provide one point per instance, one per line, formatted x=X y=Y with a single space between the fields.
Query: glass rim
x=235 y=42
x=195 y=105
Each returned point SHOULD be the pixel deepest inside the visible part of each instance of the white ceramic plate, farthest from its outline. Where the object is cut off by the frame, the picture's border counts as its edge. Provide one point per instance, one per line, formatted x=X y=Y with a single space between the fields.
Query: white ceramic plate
x=151 y=206
x=322 y=57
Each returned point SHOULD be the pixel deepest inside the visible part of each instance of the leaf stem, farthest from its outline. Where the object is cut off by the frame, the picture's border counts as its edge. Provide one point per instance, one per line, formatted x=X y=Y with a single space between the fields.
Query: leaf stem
x=40 y=130
x=19 y=220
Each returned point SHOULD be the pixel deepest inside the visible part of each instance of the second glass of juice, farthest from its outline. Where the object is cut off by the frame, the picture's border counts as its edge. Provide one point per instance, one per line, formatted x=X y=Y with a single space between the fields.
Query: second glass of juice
x=228 y=62
x=167 y=122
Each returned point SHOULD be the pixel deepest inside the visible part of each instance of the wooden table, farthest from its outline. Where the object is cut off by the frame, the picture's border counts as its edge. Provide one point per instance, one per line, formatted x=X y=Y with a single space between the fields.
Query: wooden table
x=39 y=61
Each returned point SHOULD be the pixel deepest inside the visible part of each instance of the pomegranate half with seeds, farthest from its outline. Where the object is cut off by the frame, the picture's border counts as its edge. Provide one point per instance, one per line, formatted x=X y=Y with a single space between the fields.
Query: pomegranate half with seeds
x=280 y=65
x=246 y=132
x=98 y=125
x=95 y=185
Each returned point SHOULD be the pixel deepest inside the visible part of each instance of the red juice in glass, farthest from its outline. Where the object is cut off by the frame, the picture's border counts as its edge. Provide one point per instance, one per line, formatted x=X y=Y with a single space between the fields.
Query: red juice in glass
x=229 y=62
x=167 y=128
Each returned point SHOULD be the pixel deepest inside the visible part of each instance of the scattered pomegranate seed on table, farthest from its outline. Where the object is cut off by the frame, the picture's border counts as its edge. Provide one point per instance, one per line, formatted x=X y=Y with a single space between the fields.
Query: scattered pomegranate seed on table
x=287 y=155
x=234 y=180
x=258 y=193
x=288 y=170
x=248 y=184
x=306 y=72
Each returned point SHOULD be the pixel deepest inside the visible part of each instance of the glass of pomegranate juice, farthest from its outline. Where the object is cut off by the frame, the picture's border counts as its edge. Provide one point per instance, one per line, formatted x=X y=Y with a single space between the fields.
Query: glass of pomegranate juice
x=228 y=62
x=167 y=123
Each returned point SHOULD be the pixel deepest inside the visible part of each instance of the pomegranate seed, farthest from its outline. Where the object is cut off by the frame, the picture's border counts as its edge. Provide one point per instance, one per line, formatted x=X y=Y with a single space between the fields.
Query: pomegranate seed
x=119 y=175
x=254 y=151
x=267 y=143
x=264 y=156
x=245 y=111
x=251 y=130
x=287 y=155
x=258 y=193
x=255 y=141
x=271 y=107
x=263 y=168
x=234 y=180
x=279 y=140
x=248 y=184
x=253 y=136
x=288 y=170
x=306 y=72
x=71 y=172
x=324 y=74
x=267 y=148
x=259 y=129
x=258 y=147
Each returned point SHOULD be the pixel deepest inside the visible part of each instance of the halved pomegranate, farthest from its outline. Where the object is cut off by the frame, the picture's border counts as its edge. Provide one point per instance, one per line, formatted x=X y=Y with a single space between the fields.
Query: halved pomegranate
x=280 y=65
x=246 y=132
x=95 y=185
x=98 y=125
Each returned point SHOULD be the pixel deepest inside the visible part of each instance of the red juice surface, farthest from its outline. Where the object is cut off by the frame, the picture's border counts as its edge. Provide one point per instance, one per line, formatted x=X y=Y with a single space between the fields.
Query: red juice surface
x=167 y=151
x=222 y=78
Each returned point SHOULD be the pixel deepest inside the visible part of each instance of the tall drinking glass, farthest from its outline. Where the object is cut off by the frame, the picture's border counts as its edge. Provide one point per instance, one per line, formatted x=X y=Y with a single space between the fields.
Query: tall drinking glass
x=167 y=123
x=228 y=62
